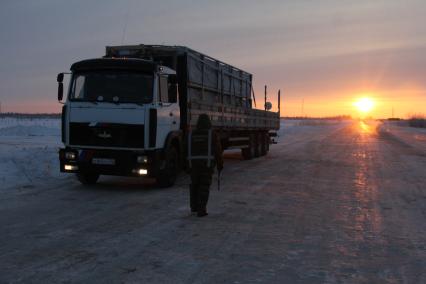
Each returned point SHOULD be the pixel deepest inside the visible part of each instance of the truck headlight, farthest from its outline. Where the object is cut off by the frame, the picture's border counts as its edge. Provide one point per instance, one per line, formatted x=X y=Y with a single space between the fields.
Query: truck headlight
x=141 y=172
x=142 y=159
x=70 y=167
x=70 y=155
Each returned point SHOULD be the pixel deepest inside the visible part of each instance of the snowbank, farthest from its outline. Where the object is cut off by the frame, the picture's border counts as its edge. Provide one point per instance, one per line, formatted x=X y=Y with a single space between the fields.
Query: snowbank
x=290 y=127
x=416 y=137
x=21 y=130
x=6 y=122
x=29 y=152
x=29 y=148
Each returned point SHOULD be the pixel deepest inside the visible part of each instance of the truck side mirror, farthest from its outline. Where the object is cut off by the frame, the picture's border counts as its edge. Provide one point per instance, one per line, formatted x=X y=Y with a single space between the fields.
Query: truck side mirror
x=60 y=91
x=60 y=79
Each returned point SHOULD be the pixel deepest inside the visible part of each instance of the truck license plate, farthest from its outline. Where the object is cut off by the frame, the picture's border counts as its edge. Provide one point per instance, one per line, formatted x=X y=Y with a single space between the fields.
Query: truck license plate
x=102 y=161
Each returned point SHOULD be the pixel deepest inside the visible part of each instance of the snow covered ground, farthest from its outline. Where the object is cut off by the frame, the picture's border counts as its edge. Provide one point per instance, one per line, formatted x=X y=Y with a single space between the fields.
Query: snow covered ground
x=332 y=202
x=414 y=137
x=28 y=152
x=29 y=147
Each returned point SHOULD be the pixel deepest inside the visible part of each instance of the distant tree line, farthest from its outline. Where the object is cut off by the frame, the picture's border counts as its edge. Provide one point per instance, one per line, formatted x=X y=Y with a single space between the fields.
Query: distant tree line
x=417 y=121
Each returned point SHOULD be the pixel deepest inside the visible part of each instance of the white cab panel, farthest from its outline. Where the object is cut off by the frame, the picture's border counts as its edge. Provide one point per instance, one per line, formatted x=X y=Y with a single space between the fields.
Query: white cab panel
x=168 y=120
x=106 y=112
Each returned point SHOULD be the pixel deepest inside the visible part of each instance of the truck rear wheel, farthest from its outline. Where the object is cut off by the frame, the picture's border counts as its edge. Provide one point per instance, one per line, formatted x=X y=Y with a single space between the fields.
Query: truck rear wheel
x=257 y=144
x=87 y=178
x=246 y=153
x=263 y=144
x=268 y=139
x=167 y=176
x=250 y=152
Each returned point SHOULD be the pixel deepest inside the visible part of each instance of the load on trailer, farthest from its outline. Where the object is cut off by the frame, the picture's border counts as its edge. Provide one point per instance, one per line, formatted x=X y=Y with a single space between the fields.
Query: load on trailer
x=128 y=113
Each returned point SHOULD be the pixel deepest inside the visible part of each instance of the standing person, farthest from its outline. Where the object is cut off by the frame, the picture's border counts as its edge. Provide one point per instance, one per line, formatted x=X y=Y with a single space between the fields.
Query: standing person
x=204 y=153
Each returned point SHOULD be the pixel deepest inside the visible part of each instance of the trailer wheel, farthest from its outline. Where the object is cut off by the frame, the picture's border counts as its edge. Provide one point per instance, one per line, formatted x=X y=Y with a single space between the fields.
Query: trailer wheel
x=250 y=152
x=268 y=140
x=257 y=144
x=246 y=153
x=263 y=144
x=168 y=175
x=87 y=178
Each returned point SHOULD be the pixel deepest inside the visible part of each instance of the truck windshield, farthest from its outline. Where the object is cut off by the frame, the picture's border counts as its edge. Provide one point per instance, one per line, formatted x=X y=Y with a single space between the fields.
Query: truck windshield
x=112 y=86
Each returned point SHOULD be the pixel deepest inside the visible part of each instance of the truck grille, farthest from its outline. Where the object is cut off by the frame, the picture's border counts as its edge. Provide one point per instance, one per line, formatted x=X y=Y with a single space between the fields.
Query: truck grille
x=107 y=135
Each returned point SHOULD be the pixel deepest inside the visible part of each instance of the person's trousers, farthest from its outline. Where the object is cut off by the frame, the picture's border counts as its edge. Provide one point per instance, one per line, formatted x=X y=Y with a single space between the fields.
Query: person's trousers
x=201 y=180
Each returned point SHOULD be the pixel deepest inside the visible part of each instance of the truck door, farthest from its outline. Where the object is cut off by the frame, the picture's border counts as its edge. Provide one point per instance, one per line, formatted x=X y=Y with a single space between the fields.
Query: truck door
x=168 y=114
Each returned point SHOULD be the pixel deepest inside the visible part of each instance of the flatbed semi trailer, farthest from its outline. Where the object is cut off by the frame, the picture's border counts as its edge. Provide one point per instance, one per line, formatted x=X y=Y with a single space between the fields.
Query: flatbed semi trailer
x=128 y=113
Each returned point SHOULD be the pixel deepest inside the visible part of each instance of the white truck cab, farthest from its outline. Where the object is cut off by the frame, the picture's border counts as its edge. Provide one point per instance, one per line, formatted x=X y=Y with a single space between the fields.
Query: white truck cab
x=118 y=118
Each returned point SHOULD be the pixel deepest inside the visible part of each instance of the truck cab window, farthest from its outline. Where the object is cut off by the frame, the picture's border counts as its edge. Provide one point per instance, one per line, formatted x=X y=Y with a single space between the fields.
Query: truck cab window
x=79 y=87
x=112 y=87
x=164 y=90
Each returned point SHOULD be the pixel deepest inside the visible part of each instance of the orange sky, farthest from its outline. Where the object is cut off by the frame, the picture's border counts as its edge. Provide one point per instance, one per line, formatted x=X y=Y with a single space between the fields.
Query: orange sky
x=403 y=104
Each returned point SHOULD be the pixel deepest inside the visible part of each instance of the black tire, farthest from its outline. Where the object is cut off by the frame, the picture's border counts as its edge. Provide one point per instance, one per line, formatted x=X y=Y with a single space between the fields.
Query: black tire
x=257 y=144
x=246 y=153
x=267 y=139
x=250 y=152
x=167 y=176
x=263 y=144
x=87 y=178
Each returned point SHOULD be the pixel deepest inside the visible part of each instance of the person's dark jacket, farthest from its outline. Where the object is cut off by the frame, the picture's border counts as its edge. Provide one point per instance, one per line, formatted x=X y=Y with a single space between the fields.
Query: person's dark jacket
x=199 y=144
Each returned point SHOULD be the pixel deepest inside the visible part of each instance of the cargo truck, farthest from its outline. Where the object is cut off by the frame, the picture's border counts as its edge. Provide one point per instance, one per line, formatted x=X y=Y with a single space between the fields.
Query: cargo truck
x=128 y=112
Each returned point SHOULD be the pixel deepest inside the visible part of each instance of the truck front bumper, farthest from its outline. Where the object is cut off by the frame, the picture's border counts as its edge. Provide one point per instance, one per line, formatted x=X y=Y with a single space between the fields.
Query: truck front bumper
x=109 y=162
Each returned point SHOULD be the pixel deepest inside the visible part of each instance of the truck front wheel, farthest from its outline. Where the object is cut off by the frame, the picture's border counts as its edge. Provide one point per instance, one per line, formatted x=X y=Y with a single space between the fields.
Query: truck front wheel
x=167 y=176
x=87 y=178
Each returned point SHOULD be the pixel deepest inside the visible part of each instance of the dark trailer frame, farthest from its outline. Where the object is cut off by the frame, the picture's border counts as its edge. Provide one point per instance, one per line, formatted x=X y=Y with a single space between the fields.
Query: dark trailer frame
x=206 y=85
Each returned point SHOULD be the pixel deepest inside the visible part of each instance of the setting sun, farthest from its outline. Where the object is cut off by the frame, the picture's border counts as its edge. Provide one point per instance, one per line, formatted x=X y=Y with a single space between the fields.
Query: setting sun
x=364 y=104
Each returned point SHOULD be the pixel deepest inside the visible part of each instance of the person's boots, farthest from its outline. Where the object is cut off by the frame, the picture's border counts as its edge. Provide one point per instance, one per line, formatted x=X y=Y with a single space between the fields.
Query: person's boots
x=202 y=213
x=203 y=194
x=193 y=195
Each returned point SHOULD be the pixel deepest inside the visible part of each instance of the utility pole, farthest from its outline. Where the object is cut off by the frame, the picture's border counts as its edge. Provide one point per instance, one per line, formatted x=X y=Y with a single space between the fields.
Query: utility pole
x=393 y=113
x=265 y=96
x=279 y=103
x=302 y=109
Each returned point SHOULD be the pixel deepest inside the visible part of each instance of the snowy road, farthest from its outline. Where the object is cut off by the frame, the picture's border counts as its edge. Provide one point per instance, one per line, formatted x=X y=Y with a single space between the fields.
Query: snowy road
x=329 y=204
